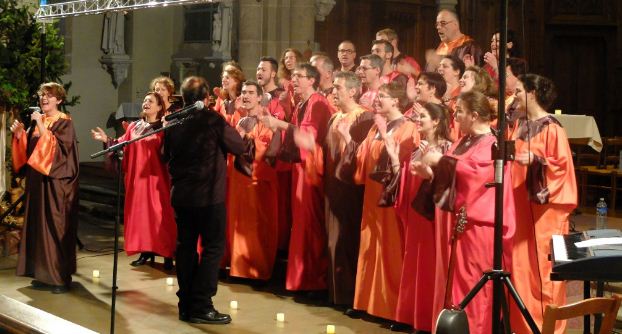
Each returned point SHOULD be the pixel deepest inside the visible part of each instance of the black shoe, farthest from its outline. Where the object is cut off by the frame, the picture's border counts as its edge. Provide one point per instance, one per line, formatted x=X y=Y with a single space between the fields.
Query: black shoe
x=400 y=327
x=210 y=317
x=142 y=259
x=354 y=314
x=168 y=263
x=184 y=316
x=58 y=289
x=38 y=285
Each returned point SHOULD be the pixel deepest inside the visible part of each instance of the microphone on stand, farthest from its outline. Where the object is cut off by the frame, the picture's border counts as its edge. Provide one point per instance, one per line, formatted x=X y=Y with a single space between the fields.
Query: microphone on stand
x=187 y=111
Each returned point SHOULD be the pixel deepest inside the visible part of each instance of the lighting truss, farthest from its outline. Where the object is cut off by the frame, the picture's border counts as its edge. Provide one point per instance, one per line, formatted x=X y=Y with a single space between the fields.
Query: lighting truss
x=91 y=7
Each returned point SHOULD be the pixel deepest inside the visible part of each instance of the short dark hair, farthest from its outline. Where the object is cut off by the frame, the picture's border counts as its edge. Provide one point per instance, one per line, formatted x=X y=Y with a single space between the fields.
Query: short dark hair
x=193 y=89
x=542 y=87
x=311 y=73
x=439 y=112
x=387 y=45
x=375 y=60
x=272 y=61
x=253 y=83
x=456 y=63
x=435 y=80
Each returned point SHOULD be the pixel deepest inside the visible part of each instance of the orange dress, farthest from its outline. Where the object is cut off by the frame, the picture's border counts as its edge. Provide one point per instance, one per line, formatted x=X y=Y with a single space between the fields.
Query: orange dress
x=382 y=241
x=540 y=213
x=252 y=213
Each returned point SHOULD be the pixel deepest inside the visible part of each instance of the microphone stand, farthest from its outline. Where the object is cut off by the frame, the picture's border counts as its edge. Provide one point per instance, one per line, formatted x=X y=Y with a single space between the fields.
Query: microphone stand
x=503 y=151
x=117 y=150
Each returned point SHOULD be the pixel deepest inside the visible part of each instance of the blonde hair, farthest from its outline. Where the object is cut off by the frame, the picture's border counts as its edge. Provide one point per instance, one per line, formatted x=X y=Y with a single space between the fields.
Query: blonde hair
x=54 y=88
x=166 y=81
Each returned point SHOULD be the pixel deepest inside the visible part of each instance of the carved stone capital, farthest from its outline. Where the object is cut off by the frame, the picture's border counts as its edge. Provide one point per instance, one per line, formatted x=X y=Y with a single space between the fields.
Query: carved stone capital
x=323 y=8
x=117 y=66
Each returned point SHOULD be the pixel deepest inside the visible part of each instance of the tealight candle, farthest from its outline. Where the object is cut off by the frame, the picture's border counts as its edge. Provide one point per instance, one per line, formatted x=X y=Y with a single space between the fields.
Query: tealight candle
x=280 y=317
x=558 y=111
x=96 y=273
x=330 y=329
x=233 y=305
x=170 y=281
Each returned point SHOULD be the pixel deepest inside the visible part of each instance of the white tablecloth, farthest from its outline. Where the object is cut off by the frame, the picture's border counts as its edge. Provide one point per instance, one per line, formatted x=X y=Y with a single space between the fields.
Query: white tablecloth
x=582 y=127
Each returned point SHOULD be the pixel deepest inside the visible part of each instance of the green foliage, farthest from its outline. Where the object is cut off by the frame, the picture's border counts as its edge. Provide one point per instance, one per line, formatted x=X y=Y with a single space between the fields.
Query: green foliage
x=20 y=55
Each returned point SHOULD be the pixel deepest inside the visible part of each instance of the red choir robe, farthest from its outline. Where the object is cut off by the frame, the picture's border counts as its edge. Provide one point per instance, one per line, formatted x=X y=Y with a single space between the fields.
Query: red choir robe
x=284 y=176
x=47 y=249
x=149 y=221
x=542 y=212
x=307 y=263
x=417 y=283
x=382 y=242
x=252 y=213
x=460 y=181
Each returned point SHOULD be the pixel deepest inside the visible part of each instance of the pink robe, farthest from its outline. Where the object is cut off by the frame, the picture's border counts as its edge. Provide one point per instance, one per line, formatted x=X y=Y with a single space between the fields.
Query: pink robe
x=470 y=167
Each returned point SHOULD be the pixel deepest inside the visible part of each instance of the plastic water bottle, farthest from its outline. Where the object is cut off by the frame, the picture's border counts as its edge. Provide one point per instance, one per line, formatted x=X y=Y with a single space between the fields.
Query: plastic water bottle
x=601 y=214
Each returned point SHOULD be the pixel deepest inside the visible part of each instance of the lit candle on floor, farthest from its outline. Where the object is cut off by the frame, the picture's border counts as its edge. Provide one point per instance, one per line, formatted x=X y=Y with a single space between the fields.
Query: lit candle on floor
x=280 y=317
x=330 y=329
x=96 y=273
x=233 y=305
x=170 y=281
x=558 y=111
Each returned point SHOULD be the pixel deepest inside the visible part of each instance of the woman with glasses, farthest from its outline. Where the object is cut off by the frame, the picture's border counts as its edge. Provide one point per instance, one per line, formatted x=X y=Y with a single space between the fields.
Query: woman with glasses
x=381 y=242
x=47 y=154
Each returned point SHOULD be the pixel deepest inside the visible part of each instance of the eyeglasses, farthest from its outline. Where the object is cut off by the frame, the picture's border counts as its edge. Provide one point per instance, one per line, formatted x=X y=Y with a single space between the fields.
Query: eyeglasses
x=298 y=76
x=48 y=95
x=382 y=96
x=443 y=23
x=348 y=51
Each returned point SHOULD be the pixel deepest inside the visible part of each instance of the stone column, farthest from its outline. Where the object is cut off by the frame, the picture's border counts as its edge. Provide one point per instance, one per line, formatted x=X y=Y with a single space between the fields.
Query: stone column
x=270 y=26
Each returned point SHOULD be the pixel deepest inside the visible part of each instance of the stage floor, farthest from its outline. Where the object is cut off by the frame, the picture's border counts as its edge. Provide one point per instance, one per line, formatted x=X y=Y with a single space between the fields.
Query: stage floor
x=145 y=304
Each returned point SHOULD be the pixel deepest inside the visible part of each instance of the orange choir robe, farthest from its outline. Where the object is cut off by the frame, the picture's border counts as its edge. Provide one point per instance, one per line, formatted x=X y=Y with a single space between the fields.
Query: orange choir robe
x=252 y=213
x=382 y=242
x=541 y=212
x=454 y=127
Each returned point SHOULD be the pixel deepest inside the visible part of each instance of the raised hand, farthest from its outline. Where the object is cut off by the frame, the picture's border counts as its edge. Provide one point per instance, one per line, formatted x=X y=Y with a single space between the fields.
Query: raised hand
x=304 y=140
x=343 y=128
x=36 y=116
x=17 y=128
x=491 y=60
x=524 y=158
x=468 y=60
x=431 y=158
x=99 y=134
x=393 y=148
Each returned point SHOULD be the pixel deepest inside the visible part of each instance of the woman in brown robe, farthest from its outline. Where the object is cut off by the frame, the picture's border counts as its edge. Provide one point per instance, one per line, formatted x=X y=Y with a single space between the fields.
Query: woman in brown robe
x=47 y=154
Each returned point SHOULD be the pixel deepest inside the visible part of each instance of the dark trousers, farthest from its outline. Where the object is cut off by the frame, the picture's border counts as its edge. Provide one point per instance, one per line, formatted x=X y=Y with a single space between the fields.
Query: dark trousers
x=198 y=276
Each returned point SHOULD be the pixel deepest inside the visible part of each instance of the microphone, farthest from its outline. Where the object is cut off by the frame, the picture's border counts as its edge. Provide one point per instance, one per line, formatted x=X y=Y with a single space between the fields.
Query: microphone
x=187 y=111
x=33 y=109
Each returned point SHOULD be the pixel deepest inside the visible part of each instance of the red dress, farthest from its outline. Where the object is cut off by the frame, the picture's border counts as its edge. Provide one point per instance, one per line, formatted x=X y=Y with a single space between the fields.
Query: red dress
x=149 y=222
x=418 y=272
x=462 y=174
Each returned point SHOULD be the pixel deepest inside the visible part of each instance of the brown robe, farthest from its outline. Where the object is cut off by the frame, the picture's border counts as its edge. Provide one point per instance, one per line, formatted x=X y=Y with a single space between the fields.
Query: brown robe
x=50 y=163
x=344 y=209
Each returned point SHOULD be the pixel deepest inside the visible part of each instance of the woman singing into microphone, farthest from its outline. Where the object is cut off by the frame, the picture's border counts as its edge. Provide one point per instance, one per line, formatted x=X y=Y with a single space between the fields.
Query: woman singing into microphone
x=149 y=223
x=47 y=153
